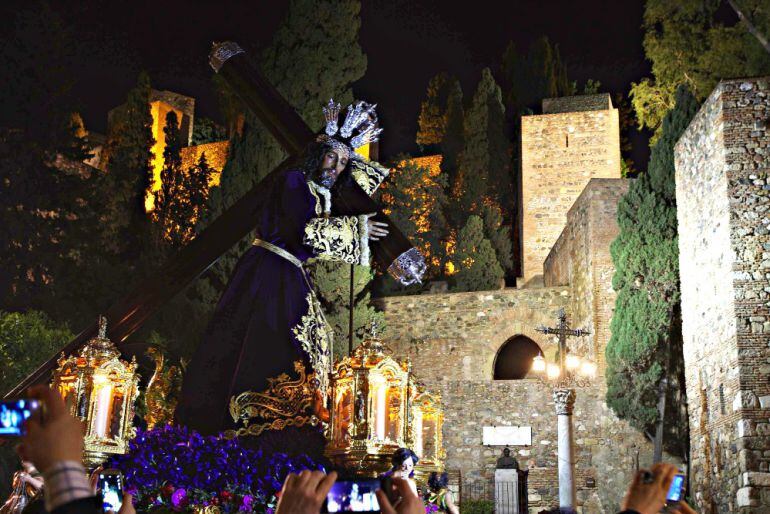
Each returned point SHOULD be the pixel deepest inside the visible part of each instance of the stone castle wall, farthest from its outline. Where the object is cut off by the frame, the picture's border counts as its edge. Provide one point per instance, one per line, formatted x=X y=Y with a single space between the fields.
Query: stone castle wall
x=581 y=259
x=722 y=163
x=452 y=340
x=561 y=152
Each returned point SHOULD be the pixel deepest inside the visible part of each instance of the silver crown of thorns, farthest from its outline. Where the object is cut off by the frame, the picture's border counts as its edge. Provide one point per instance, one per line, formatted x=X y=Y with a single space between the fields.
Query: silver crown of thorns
x=360 y=118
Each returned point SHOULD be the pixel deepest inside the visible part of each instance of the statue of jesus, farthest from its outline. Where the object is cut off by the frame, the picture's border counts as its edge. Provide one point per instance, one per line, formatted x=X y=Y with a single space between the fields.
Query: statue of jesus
x=268 y=318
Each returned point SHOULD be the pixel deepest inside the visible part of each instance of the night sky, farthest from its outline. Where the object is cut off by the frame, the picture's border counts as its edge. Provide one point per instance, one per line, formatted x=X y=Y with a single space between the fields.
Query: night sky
x=406 y=41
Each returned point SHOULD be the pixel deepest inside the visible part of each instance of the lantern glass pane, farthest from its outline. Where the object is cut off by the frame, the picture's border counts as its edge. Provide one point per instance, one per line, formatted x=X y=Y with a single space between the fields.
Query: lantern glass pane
x=393 y=422
x=430 y=451
x=343 y=414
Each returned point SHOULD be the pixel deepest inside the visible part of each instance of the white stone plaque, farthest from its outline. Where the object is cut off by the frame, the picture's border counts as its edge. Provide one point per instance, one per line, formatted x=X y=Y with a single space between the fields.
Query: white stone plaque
x=507 y=436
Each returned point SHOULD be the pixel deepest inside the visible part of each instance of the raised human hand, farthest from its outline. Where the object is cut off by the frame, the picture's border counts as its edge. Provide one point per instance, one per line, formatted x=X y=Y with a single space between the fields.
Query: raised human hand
x=408 y=503
x=647 y=493
x=305 y=493
x=55 y=437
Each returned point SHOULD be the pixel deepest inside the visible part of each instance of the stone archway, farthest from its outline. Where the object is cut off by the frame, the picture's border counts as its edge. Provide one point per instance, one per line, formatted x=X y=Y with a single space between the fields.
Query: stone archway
x=514 y=358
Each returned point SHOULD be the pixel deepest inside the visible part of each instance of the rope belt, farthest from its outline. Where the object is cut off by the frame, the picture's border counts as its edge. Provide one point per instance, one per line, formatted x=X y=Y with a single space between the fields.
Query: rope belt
x=278 y=251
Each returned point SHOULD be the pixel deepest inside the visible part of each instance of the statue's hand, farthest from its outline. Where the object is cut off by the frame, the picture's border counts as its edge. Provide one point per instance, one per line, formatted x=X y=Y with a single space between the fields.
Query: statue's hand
x=377 y=230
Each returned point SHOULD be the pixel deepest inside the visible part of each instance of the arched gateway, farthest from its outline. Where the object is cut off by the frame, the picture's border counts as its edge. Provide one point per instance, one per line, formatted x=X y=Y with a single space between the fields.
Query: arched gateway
x=514 y=358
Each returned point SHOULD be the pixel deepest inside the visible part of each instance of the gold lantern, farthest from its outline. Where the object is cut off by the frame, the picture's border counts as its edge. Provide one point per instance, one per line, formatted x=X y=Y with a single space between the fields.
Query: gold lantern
x=378 y=407
x=368 y=418
x=100 y=389
x=425 y=429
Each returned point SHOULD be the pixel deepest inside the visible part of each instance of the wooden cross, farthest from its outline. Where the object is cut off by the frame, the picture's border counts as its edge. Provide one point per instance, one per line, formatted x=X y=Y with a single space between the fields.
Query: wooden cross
x=279 y=117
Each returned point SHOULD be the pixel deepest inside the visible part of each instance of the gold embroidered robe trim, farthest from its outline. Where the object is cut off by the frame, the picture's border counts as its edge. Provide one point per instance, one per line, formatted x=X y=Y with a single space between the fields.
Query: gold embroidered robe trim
x=315 y=335
x=286 y=402
x=339 y=238
x=368 y=174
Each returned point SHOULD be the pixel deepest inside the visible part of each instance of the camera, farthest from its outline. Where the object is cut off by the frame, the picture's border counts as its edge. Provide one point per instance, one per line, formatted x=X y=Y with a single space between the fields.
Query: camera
x=110 y=485
x=13 y=414
x=356 y=495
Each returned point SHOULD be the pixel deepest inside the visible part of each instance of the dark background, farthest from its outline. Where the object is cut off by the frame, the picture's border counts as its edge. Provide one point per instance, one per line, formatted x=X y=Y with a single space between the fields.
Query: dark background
x=406 y=41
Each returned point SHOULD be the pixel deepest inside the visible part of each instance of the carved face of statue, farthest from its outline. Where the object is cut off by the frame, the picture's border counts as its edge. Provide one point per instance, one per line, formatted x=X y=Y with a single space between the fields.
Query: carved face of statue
x=407 y=467
x=332 y=164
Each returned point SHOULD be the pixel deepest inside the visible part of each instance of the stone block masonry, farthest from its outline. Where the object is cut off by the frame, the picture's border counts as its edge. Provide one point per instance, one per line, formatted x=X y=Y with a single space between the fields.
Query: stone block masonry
x=561 y=152
x=452 y=341
x=581 y=259
x=722 y=164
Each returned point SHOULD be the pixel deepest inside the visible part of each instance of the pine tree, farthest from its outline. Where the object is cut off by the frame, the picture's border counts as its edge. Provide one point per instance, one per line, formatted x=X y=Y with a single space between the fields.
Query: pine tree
x=688 y=43
x=646 y=344
x=167 y=201
x=475 y=259
x=452 y=146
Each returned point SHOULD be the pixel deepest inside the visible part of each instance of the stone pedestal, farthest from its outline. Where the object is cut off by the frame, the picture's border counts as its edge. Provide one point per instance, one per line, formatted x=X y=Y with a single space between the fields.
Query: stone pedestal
x=507 y=491
x=564 y=399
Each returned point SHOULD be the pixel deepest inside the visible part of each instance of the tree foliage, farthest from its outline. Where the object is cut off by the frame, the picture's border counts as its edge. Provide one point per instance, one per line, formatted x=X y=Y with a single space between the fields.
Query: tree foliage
x=26 y=341
x=474 y=257
x=433 y=111
x=182 y=198
x=205 y=130
x=47 y=198
x=129 y=172
x=484 y=162
x=415 y=201
x=646 y=339
x=688 y=45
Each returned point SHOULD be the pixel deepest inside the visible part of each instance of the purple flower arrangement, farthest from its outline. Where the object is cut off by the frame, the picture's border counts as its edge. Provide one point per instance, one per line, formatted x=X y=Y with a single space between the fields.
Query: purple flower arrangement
x=172 y=468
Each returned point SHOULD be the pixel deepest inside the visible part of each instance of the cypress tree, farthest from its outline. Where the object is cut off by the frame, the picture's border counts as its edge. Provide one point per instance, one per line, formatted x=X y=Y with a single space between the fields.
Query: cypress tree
x=474 y=257
x=129 y=172
x=499 y=235
x=432 y=119
x=644 y=354
x=454 y=134
x=484 y=163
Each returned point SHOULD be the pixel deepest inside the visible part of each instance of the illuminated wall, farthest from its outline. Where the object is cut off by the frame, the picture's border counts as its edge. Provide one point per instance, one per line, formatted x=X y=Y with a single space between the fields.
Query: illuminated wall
x=216 y=157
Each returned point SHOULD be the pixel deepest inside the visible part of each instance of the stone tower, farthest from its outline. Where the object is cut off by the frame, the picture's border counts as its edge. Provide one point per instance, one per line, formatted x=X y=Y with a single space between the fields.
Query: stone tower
x=574 y=140
x=723 y=197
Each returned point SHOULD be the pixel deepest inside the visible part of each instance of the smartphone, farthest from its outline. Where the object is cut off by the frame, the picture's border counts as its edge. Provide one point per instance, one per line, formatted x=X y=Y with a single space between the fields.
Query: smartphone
x=13 y=414
x=110 y=484
x=353 y=496
x=676 y=491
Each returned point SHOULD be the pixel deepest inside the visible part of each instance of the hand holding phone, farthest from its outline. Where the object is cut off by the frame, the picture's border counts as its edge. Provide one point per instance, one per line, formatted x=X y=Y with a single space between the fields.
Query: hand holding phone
x=110 y=485
x=353 y=496
x=305 y=493
x=676 y=490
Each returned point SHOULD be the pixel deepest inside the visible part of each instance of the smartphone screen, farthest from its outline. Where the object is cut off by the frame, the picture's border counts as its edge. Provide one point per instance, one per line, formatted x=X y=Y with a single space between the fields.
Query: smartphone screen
x=13 y=413
x=353 y=496
x=111 y=486
x=675 y=491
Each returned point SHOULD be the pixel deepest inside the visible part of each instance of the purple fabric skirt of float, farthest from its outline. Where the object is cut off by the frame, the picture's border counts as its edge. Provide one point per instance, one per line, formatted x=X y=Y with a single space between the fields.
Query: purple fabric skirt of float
x=248 y=340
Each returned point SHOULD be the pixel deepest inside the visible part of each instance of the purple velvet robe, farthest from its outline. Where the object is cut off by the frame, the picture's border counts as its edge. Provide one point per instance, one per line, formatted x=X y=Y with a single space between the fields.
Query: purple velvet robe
x=250 y=337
